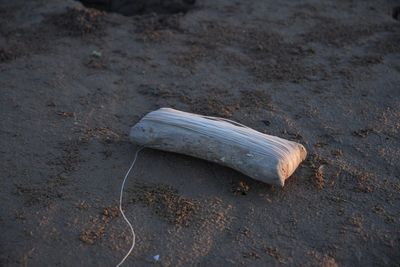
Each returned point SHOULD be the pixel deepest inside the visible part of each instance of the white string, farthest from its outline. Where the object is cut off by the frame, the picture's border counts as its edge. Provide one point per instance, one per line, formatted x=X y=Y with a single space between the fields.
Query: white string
x=122 y=212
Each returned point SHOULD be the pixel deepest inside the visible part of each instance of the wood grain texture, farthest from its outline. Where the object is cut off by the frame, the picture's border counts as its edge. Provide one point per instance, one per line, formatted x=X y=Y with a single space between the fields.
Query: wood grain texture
x=266 y=158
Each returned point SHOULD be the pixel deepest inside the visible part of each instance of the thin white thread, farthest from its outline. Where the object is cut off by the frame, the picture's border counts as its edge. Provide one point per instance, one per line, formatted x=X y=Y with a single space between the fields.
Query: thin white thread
x=122 y=212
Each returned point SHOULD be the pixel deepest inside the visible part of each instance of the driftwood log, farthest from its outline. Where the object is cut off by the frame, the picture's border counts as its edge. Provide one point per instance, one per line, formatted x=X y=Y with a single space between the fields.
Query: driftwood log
x=263 y=157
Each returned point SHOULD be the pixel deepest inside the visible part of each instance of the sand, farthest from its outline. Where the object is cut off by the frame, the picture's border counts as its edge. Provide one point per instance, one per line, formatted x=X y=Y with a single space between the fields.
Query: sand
x=74 y=80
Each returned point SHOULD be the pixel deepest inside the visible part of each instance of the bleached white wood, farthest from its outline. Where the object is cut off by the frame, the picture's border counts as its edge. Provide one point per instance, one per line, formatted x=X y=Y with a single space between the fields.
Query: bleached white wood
x=263 y=157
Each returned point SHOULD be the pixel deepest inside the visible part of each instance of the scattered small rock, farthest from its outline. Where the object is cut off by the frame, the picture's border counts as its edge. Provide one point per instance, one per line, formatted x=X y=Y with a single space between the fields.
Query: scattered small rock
x=356 y=221
x=104 y=134
x=363 y=133
x=166 y=202
x=241 y=189
x=111 y=212
x=273 y=252
x=97 y=226
x=91 y=236
x=83 y=205
x=96 y=54
x=337 y=152
x=156 y=257
x=319 y=176
x=251 y=254
x=66 y=114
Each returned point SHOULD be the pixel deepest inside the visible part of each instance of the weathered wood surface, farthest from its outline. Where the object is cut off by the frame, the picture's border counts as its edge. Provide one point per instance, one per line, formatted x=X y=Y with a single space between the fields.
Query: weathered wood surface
x=266 y=158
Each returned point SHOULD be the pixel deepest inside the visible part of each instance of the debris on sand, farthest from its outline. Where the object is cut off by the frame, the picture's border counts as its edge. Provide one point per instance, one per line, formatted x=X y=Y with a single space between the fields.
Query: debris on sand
x=363 y=133
x=166 y=202
x=96 y=54
x=319 y=176
x=241 y=189
x=97 y=227
x=90 y=236
x=317 y=166
x=156 y=257
x=274 y=252
x=251 y=254
x=111 y=212
x=66 y=114
x=104 y=134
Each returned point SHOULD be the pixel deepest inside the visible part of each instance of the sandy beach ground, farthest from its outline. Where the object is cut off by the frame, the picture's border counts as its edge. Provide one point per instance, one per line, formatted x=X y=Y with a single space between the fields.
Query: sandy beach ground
x=74 y=80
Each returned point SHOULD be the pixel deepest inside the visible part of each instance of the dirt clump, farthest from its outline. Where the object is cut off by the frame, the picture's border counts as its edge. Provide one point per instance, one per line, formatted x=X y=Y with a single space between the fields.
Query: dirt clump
x=274 y=252
x=242 y=188
x=98 y=225
x=165 y=201
x=363 y=133
x=103 y=134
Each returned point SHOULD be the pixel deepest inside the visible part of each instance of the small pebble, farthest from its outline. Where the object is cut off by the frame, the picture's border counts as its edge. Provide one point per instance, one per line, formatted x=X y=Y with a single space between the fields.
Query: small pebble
x=156 y=257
